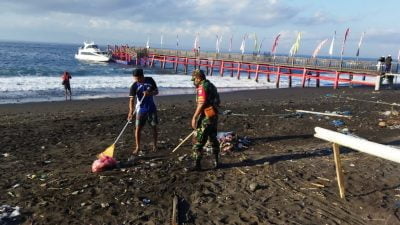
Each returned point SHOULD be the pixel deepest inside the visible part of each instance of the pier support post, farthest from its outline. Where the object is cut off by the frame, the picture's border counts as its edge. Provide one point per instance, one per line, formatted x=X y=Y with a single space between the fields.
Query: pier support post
x=351 y=79
x=238 y=70
x=221 y=68
x=212 y=67
x=152 y=61
x=278 y=77
x=290 y=78
x=249 y=71
x=317 y=81
x=232 y=69
x=268 y=75
x=186 y=65
x=176 y=63
x=336 y=84
x=303 y=80
x=378 y=82
x=165 y=62
x=207 y=68
x=257 y=71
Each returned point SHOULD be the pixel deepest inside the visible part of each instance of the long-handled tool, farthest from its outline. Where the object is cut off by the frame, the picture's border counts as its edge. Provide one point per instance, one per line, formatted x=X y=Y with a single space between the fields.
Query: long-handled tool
x=184 y=140
x=110 y=150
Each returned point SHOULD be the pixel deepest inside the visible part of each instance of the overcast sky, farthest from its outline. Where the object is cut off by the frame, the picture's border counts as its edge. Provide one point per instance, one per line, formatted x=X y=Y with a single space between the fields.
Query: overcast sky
x=132 y=22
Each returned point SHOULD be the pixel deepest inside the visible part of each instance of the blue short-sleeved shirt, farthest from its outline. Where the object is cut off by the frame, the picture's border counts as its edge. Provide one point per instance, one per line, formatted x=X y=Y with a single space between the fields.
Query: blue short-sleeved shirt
x=137 y=89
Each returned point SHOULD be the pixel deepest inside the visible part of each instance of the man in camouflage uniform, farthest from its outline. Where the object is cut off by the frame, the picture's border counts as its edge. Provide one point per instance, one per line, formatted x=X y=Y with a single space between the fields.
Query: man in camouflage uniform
x=205 y=118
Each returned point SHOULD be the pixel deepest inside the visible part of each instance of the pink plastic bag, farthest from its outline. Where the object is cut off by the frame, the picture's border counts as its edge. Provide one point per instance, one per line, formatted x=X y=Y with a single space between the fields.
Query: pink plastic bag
x=104 y=163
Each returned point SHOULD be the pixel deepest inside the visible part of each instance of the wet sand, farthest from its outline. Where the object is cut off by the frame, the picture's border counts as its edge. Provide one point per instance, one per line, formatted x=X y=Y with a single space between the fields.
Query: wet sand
x=52 y=145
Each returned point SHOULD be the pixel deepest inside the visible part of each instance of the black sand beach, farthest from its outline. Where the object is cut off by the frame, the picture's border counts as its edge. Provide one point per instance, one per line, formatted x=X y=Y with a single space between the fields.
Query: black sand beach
x=46 y=152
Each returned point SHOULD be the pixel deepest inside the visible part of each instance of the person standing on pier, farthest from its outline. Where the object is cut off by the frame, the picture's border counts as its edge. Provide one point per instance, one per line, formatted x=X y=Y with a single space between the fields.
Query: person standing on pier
x=67 y=86
x=388 y=64
x=143 y=88
x=205 y=118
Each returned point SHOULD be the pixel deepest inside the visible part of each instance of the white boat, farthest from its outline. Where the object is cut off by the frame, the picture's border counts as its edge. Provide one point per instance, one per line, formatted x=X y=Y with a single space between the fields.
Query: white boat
x=91 y=52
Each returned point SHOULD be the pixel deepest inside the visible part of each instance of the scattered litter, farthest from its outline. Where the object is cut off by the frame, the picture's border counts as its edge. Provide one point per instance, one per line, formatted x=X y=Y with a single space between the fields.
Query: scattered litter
x=104 y=205
x=5 y=155
x=16 y=185
x=253 y=187
x=344 y=131
x=318 y=185
x=103 y=163
x=352 y=165
x=9 y=214
x=145 y=202
x=325 y=179
x=337 y=123
x=181 y=158
x=241 y=171
x=227 y=112
x=382 y=124
x=397 y=126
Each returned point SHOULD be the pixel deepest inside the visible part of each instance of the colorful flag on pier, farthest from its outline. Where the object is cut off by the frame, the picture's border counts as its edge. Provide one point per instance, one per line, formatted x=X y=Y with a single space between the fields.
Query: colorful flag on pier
x=359 y=44
x=259 y=47
x=196 y=44
x=332 y=43
x=218 y=43
x=344 y=42
x=295 y=47
x=273 y=51
x=162 y=39
x=398 y=57
x=148 y=42
x=243 y=45
x=255 y=42
x=177 y=41
x=319 y=48
x=230 y=43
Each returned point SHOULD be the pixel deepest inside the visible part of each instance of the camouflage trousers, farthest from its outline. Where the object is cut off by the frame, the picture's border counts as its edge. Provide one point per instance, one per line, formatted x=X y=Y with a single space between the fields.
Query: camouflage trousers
x=206 y=131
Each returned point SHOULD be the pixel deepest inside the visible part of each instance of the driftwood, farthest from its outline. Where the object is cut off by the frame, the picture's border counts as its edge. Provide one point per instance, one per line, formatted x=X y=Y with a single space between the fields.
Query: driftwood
x=321 y=113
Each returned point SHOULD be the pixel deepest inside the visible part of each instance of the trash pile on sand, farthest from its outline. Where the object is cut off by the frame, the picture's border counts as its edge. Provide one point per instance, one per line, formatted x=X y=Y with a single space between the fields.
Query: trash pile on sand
x=229 y=142
x=9 y=214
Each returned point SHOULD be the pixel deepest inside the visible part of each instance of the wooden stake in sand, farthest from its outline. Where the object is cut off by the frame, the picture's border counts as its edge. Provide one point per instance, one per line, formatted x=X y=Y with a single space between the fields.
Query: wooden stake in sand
x=184 y=140
x=174 y=221
x=339 y=172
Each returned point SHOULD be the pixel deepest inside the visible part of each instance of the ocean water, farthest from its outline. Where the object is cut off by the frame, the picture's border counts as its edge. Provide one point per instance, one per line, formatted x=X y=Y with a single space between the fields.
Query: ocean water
x=31 y=72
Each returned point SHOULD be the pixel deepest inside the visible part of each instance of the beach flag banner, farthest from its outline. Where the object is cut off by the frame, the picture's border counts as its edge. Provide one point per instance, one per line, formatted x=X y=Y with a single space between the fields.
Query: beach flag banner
x=295 y=47
x=398 y=56
x=359 y=44
x=259 y=47
x=273 y=51
x=162 y=39
x=332 y=43
x=243 y=45
x=177 y=41
x=148 y=42
x=230 y=43
x=218 y=43
x=196 y=42
x=255 y=42
x=318 y=48
x=344 y=42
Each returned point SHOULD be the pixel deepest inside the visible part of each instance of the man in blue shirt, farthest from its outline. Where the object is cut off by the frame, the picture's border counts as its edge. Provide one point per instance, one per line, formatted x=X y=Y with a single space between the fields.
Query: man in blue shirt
x=143 y=88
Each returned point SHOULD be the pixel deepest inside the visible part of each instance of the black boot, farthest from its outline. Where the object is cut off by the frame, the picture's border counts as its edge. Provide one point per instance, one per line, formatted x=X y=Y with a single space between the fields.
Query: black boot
x=196 y=165
x=216 y=162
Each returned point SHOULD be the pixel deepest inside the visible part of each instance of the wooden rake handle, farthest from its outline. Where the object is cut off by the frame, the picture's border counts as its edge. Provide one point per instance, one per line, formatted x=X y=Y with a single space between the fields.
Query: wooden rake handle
x=184 y=140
